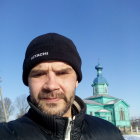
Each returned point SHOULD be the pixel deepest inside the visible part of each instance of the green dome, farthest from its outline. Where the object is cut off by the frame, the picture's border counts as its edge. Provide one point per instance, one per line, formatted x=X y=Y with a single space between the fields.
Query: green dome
x=100 y=80
x=98 y=67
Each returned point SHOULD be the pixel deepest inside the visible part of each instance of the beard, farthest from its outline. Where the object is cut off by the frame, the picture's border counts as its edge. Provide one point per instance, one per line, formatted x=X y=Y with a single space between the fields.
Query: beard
x=58 y=109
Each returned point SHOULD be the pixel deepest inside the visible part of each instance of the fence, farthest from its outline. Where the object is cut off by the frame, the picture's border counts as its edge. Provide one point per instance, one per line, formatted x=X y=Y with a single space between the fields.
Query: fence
x=130 y=130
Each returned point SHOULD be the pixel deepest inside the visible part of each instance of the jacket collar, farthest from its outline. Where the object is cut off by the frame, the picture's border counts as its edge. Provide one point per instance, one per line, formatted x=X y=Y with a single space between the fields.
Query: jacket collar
x=57 y=125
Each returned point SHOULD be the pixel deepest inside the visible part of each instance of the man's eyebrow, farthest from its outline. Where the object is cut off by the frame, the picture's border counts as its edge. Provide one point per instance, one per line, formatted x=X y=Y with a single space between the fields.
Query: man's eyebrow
x=34 y=71
x=43 y=70
x=64 y=69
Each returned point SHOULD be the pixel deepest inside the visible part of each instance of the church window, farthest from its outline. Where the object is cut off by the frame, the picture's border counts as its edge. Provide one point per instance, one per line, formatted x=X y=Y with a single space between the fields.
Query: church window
x=108 y=118
x=91 y=113
x=122 y=115
x=96 y=90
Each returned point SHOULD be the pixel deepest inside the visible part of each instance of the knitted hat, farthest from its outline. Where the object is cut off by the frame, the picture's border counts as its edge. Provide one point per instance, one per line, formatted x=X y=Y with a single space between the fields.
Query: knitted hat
x=51 y=46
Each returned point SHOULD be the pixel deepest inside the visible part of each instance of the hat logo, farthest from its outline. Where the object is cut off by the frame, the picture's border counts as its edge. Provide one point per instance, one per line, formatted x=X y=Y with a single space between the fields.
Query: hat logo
x=39 y=54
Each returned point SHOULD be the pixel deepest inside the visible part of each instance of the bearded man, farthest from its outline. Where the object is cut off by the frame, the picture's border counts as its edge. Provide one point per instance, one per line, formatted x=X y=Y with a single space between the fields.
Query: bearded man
x=52 y=71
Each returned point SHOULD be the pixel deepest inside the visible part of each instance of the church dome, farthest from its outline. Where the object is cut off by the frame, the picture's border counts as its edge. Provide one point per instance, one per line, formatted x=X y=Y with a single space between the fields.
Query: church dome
x=99 y=79
x=98 y=67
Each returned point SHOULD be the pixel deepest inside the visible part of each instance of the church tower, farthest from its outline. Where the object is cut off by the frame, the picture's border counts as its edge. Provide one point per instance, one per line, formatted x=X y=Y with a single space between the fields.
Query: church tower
x=100 y=85
x=104 y=106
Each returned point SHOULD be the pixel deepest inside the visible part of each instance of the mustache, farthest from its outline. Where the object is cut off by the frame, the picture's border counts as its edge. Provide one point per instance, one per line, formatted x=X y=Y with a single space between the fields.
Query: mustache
x=52 y=94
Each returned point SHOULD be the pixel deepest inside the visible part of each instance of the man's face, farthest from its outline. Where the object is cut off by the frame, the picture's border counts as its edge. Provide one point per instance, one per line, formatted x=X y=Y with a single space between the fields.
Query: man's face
x=52 y=87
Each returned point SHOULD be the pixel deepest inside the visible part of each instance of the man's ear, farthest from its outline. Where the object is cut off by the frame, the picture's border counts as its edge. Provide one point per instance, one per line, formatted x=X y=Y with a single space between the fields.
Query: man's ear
x=77 y=84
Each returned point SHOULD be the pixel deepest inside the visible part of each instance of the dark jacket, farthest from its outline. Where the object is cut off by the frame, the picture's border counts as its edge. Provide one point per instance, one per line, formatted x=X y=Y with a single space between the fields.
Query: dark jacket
x=37 y=126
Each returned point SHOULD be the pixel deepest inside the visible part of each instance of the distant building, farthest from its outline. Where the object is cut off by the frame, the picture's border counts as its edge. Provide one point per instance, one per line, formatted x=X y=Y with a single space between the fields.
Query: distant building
x=102 y=105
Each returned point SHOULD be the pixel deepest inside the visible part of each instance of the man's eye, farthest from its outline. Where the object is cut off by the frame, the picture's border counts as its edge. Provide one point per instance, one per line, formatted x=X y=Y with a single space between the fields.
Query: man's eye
x=62 y=73
x=37 y=74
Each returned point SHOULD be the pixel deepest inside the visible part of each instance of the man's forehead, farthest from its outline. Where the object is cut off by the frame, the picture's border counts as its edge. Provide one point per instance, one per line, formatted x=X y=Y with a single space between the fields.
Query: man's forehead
x=57 y=65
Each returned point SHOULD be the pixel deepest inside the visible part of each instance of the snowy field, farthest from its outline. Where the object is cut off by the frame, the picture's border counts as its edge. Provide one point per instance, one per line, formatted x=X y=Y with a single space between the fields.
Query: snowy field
x=132 y=137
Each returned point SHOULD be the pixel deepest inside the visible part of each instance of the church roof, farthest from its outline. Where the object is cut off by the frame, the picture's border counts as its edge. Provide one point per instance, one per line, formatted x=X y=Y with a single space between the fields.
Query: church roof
x=113 y=102
x=91 y=102
x=100 y=95
x=103 y=110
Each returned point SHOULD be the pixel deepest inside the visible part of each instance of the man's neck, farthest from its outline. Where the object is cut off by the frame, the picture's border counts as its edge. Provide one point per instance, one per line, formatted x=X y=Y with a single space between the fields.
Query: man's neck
x=68 y=113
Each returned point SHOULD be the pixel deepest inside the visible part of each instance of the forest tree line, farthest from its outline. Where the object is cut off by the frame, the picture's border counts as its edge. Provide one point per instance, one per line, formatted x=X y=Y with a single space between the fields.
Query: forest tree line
x=12 y=110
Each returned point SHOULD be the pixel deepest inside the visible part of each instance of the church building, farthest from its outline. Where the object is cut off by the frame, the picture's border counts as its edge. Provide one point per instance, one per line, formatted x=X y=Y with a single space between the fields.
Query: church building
x=107 y=107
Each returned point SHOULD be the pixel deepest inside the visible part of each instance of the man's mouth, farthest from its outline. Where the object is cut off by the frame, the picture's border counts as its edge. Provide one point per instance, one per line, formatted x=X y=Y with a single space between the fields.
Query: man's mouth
x=51 y=100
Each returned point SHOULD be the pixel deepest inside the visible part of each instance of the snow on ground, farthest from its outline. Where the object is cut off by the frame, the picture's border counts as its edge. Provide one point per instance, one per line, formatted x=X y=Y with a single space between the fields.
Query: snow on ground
x=132 y=137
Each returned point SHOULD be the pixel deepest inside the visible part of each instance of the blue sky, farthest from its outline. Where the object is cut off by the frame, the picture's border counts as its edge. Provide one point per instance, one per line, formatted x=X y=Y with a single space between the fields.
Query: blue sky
x=108 y=30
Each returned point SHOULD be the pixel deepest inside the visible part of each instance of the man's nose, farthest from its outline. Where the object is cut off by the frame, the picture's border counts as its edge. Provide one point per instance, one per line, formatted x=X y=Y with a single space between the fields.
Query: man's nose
x=51 y=82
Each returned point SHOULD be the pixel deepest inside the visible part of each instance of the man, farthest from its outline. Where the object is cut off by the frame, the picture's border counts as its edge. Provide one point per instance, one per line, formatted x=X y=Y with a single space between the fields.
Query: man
x=52 y=70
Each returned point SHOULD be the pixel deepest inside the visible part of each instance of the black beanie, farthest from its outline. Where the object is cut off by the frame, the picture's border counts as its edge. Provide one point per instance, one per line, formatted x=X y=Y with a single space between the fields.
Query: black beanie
x=51 y=46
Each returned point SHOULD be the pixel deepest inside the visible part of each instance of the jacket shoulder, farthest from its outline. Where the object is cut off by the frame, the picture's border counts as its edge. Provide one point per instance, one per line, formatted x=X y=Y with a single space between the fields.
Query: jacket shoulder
x=18 y=128
x=98 y=121
x=101 y=129
x=6 y=132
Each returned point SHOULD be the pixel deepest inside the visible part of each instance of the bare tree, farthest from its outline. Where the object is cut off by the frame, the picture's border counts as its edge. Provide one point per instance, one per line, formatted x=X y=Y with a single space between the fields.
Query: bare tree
x=21 y=105
x=9 y=108
x=135 y=121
